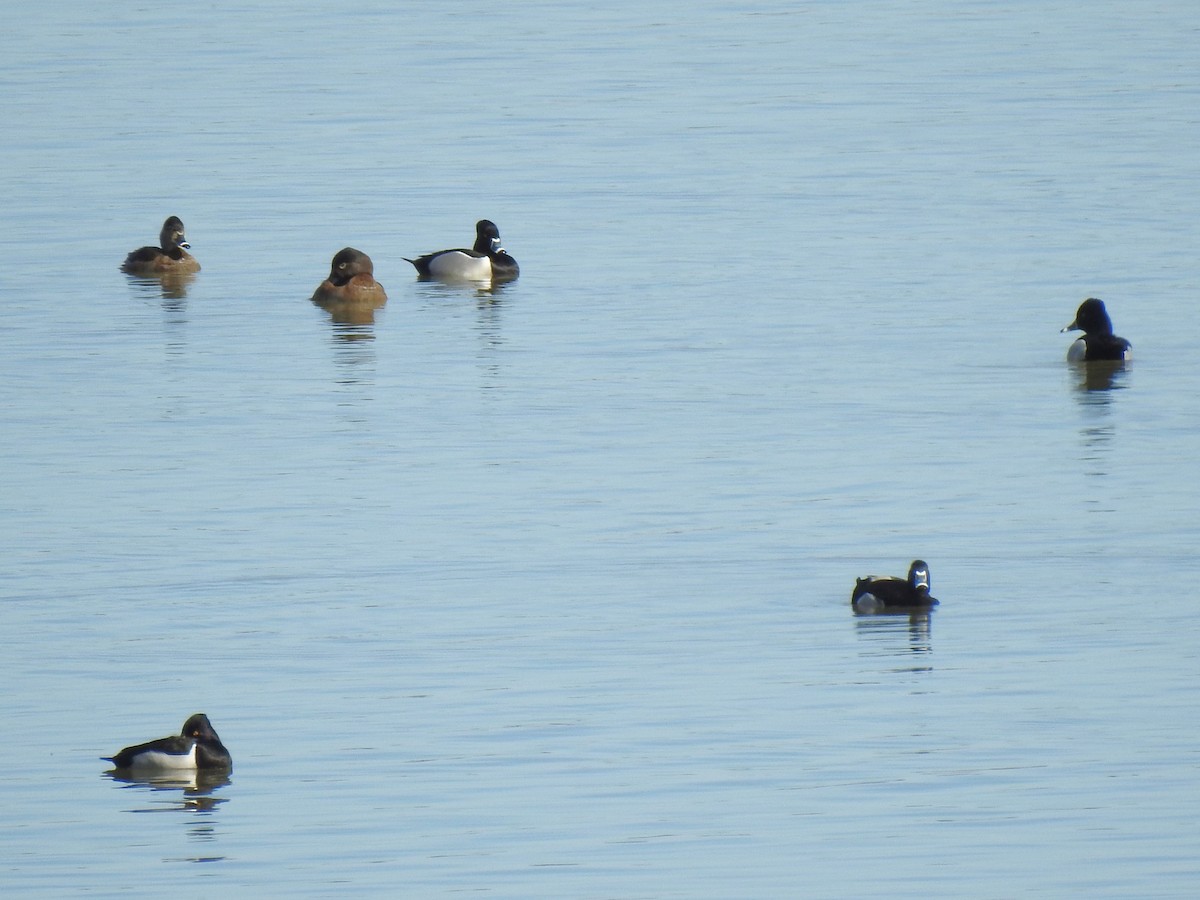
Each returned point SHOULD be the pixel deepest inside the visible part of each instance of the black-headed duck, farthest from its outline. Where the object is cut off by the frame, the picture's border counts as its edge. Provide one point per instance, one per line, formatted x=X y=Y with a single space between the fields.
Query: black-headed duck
x=195 y=747
x=1098 y=341
x=878 y=592
x=486 y=261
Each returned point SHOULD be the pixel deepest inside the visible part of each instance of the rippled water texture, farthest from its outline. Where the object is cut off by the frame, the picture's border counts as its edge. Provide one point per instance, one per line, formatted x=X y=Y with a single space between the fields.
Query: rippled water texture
x=543 y=590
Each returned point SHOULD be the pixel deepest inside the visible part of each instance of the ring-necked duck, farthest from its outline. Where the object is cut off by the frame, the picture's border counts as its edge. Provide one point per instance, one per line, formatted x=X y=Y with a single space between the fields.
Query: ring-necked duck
x=877 y=592
x=351 y=280
x=195 y=747
x=1098 y=341
x=486 y=261
x=171 y=257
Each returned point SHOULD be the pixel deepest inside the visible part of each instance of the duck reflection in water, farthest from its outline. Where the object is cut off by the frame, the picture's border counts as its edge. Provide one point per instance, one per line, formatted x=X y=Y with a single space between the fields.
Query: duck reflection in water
x=1096 y=386
x=179 y=792
x=1100 y=376
x=353 y=319
x=171 y=288
x=896 y=633
x=196 y=786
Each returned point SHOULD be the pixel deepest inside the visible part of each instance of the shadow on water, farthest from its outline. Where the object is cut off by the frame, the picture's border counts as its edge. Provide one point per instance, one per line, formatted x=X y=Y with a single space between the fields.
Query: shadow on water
x=484 y=292
x=488 y=299
x=1096 y=385
x=353 y=332
x=903 y=633
x=190 y=792
x=488 y=307
x=1094 y=380
x=169 y=293
x=172 y=286
x=356 y=319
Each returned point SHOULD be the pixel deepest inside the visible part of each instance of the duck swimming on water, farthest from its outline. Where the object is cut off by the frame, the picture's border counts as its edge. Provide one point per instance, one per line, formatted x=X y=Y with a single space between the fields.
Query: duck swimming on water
x=171 y=257
x=879 y=592
x=1098 y=341
x=486 y=261
x=195 y=747
x=351 y=280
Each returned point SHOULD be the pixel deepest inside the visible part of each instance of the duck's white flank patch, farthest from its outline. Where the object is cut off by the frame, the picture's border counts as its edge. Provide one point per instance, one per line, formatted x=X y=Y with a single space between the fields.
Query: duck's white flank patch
x=868 y=603
x=156 y=759
x=461 y=265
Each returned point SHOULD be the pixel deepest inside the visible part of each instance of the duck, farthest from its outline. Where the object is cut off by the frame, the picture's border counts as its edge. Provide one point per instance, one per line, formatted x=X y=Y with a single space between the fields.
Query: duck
x=486 y=261
x=878 y=592
x=171 y=257
x=195 y=747
x=1098 y=341
x=351 y=280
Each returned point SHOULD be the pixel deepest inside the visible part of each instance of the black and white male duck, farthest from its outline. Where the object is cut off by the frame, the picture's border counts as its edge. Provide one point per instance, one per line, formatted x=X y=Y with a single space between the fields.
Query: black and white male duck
x=195 y=747
x=887 y=592
x=171 y=257
x=1098 y=341
x=486 y=261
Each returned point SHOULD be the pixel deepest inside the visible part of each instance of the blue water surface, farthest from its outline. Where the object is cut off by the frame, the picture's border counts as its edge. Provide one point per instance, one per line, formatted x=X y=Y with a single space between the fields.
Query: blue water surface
x=542 y=590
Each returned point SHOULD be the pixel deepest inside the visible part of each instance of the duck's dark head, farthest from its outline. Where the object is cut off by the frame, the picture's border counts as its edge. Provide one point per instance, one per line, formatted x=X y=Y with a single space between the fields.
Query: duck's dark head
x=172 y=235
x=487 y=237
x=918 y=576
x=198 y=726
x=1091 y=318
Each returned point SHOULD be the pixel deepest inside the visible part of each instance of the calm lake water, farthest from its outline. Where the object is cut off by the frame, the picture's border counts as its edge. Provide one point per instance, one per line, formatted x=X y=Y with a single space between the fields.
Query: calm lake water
x=543 y=591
